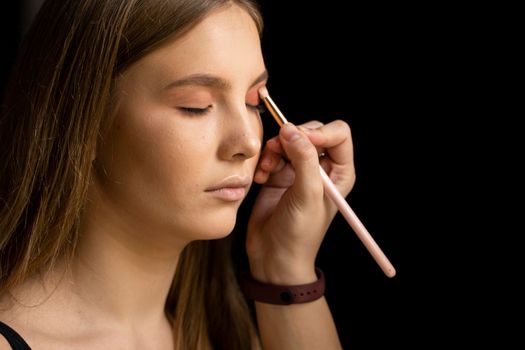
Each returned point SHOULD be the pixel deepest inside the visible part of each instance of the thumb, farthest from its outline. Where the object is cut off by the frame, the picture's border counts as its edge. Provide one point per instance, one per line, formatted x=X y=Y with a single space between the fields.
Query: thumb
x=305 y=161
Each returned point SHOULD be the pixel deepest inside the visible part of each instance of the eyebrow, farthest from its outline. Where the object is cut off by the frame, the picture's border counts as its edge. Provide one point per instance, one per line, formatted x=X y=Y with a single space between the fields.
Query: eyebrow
x=212 y=81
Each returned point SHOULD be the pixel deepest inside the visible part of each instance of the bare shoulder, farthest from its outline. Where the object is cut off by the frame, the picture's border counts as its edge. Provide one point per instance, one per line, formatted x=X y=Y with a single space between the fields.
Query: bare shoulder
x=4 y=345
x=4 y=312
x=15 y=317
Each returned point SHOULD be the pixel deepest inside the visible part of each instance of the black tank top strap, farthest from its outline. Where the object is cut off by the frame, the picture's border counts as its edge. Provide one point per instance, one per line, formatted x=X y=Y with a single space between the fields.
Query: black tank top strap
x=13 y=338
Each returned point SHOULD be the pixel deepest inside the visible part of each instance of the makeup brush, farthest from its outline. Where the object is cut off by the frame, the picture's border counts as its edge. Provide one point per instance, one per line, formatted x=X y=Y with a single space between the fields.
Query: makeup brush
x=334 y=194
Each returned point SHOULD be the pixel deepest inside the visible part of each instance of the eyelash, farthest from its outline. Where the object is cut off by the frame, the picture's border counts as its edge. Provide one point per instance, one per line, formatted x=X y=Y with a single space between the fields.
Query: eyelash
x=260 y=108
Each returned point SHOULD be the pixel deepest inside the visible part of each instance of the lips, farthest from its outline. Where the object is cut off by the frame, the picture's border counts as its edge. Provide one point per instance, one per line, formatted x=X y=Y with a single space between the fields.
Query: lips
x=232 y=188
x=234 y=181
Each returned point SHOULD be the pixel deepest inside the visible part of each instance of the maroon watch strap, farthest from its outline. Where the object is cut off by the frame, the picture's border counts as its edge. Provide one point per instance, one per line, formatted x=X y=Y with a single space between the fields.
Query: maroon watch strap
x=282 y=295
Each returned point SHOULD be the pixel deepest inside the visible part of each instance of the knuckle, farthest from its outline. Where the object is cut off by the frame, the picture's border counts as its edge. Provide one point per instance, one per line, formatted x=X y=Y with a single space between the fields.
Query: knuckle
x=352 y=179
x=340 y=124
x=307 y=151
x=313 y=124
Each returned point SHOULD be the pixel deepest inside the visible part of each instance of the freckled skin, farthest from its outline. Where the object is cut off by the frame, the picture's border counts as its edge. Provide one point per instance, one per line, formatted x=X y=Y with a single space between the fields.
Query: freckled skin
x=157 y=160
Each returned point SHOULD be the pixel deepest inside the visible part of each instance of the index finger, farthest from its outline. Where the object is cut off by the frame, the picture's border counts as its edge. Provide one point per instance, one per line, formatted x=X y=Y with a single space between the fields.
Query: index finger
x=336 y=138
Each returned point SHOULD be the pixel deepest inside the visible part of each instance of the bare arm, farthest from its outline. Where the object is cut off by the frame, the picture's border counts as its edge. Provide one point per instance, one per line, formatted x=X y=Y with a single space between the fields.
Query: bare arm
x=299 y=326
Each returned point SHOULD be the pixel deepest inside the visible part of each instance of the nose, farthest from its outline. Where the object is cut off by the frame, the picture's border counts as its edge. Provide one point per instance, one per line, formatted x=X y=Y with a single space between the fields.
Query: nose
x=242 y=134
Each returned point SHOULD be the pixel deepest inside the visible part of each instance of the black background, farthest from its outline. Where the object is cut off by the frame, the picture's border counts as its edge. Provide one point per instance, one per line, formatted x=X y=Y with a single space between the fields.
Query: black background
x=391 y=73
x=368 y=66
x=403 y=77
x=420 y=85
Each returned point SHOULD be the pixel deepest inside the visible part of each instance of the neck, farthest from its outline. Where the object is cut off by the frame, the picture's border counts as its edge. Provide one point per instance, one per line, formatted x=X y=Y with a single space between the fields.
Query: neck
x=122 y=267
x=124 y=283
x=117 y=282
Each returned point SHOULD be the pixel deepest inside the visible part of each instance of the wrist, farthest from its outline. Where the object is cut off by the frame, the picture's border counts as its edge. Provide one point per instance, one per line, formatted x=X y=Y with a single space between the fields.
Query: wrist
x=282 y=294
x=289 y=273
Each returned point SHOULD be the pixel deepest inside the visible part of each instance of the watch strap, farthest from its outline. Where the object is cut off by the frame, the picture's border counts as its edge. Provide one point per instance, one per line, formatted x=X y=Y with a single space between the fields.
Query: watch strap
x=283 y=294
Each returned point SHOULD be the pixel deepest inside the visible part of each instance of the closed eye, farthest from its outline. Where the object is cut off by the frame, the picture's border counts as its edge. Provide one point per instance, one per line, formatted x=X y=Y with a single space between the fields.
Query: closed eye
x=194 y=111
x=260 y=108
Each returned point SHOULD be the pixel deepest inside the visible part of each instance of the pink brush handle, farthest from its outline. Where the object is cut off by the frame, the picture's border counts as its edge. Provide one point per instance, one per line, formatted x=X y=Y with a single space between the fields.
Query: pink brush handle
x=338 y=199
x=357 y=225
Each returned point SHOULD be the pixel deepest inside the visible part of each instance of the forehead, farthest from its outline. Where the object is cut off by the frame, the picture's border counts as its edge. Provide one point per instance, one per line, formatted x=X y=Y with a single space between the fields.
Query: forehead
x=225 y=43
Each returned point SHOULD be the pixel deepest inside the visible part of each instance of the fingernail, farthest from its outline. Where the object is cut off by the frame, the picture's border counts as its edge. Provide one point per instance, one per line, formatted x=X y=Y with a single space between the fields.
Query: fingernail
x=290 y=132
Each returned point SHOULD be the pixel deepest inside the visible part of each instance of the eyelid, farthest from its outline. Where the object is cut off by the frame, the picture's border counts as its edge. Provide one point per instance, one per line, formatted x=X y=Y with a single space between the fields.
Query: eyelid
x=259 y=108
x=194 y=110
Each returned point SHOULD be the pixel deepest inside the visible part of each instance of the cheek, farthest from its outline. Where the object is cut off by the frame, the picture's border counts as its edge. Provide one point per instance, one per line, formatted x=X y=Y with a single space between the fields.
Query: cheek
x=165 y=153
x=152 y=165
x=139 y=146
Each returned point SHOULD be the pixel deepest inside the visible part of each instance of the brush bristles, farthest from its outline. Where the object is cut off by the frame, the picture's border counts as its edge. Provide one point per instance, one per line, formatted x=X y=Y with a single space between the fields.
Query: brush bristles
x=263 y=92
x=272 y=107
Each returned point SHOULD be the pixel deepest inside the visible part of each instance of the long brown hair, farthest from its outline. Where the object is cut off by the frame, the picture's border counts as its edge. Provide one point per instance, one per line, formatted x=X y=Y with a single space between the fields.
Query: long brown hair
x=57 y=106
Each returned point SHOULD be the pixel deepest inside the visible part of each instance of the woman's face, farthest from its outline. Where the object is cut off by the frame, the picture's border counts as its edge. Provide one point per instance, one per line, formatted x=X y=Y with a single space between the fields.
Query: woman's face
x=185 y=142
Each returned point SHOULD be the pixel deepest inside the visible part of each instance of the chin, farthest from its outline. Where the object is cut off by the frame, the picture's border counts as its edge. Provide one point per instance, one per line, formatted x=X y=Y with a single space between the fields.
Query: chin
x=224 y=220
x=215 y=229
x=222 y=230
x=207 y=223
